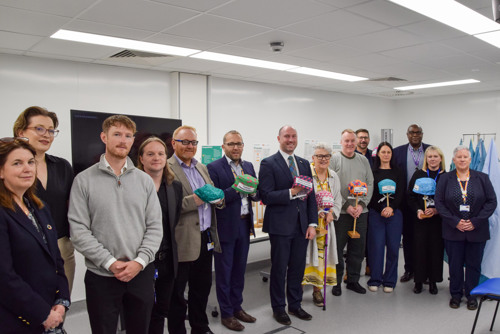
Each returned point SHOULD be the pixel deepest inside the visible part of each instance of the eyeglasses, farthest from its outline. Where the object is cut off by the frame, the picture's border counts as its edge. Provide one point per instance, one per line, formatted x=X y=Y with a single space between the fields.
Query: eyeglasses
x=323 y=157
x=40 y=130
x=13 y=139
x=186 y=142
x=240 y=144
x=363 y=138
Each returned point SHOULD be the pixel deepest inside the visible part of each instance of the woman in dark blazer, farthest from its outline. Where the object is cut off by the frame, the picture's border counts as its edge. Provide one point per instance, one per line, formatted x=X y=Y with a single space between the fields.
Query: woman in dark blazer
x=54 y=176
x=153 y=160
x=427 y=235
x=465 y=199
x=33 y=288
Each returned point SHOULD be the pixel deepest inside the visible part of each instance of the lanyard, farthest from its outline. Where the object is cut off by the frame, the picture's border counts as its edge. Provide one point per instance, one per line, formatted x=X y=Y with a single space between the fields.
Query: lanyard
x=234 y=173
x=435 y=179
x=462 y=188
x=322 y=185
x=416 y=160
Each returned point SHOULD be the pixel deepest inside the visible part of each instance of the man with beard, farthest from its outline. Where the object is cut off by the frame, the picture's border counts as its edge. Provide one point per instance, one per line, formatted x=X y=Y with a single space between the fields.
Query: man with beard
x=116 y=223
x=362 y=146
x=409 y=158
x=291 y=221
x=196 y=236
x=234 y=226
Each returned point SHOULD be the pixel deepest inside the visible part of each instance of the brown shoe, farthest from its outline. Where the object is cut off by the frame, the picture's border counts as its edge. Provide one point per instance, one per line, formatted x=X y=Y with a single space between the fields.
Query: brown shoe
x=232 y=323
x=243 y=316
x=318 y=298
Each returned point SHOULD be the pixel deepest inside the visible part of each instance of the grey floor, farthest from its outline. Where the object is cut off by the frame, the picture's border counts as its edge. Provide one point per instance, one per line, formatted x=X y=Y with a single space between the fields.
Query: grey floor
x=399 y=312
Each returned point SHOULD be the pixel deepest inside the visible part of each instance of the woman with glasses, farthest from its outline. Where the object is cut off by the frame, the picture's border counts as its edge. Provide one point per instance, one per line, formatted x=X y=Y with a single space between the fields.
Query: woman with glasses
x=54 y=176
x=427 y=233
x=324 y=179
x=152 y=159
x=386 y=220
x=33 y=288
x=465 y=199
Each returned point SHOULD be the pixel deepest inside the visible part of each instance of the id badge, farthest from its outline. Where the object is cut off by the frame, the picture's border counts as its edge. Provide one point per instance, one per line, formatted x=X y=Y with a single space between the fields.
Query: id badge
x=464 y=208
x=210 y=245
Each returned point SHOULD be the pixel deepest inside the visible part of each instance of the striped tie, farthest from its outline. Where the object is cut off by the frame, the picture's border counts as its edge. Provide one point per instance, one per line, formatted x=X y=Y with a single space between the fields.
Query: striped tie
x=291 y=165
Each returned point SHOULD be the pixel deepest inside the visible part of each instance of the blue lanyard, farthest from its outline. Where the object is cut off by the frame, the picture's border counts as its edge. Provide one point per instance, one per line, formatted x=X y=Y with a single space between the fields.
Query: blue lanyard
x=435 y=179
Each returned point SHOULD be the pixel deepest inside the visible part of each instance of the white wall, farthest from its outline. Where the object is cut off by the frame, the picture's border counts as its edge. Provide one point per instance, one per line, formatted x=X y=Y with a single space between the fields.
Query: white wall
x=258 y=110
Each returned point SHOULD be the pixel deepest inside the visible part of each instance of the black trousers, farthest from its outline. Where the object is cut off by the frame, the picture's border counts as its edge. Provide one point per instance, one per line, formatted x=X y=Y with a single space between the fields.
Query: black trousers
x=164 y=287
x=106 y=295
x=288 y=262
x=429 y=250
x=198 y=274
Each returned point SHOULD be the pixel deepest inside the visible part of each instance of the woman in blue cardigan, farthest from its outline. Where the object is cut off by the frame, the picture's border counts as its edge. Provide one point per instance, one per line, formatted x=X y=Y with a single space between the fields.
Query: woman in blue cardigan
x=465 y=199
x=33 y=288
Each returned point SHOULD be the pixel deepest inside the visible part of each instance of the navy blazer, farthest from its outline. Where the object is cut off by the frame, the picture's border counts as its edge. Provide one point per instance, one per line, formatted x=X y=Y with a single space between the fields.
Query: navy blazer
x=31 y=272
x=400 y=159
x=223 y=178
x=485 y=203
x=281 y=214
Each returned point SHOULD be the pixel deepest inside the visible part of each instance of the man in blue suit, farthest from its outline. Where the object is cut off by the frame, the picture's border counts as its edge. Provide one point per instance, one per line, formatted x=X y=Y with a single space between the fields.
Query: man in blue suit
x=290 y=222
x=409 y=158
x=234 y=226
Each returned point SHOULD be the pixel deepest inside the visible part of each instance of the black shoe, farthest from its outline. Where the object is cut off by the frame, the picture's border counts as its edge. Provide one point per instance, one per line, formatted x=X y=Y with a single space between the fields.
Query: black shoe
x=418 y=288
x=301 y=314
x=356 y=288
x=282 y=317
x=407 y=276
x=433 y=289
x=336 y=290
x=454 y=303
x=472 y=303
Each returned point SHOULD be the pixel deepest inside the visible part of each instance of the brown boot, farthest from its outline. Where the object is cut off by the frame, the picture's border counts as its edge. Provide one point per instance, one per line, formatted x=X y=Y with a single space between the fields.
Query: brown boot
x=232 y=323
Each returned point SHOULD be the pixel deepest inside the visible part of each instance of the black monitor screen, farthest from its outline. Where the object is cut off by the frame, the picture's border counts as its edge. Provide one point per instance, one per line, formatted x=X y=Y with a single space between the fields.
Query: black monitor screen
x=86 y=128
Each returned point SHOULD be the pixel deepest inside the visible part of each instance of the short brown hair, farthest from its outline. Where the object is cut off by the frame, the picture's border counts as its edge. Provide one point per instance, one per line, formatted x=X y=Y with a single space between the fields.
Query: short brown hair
x=231 y=132
x=6 y=196
x=118 y=119
x=168 y=175
x=23 y=120
x=183 y=127
x=362 y=130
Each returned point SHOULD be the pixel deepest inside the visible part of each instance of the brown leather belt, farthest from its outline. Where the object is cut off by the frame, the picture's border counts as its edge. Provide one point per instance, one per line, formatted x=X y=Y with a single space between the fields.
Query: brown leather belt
x=247 y=216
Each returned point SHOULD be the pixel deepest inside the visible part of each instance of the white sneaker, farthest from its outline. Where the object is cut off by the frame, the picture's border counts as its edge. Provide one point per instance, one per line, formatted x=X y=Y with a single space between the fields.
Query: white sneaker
x=388 y=289
x=373 y=288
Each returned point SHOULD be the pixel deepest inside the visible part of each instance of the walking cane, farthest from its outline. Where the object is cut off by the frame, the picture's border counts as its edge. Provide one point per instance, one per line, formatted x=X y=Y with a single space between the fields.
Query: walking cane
x=325 y=261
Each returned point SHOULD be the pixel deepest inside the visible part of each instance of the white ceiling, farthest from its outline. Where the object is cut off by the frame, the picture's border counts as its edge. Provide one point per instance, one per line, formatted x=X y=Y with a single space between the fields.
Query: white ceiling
x=368 y=38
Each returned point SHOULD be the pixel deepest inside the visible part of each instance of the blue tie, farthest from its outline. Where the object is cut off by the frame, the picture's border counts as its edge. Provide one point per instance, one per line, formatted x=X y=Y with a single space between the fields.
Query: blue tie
x=291 y=165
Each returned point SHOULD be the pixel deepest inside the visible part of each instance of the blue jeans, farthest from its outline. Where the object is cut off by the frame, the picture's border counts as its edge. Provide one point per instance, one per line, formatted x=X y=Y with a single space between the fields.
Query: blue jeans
x=384 y=233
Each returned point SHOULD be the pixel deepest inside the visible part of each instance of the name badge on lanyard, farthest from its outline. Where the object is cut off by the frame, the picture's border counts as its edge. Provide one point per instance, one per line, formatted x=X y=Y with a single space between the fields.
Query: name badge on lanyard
x=210 y=243
x=464 y=208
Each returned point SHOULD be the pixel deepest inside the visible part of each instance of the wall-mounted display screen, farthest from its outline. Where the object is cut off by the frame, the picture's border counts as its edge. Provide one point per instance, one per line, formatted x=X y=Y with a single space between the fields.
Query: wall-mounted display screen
x=86 y=128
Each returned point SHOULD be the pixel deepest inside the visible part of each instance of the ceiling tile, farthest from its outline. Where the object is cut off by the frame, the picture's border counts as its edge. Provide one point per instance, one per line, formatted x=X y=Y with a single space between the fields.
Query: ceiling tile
x=343 y=3
x=335 y=25
x=387 y=13
x=27 y=22
x=330 y=52
x=216 y=29
x=431 y=30
x=56 y=7
x=388 y=39
x=185 y=42
x=291 y=42
x=18 y=41
x=137 y=14
x=73 y=49
x=107 y=29
x=271 y=13
x=198 y=5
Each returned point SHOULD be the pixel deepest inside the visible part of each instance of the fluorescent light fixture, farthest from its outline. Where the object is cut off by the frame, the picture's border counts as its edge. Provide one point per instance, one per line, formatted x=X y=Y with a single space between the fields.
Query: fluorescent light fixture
x=439 y=84
x=122 y=43
x=453 y=14
x=242 y=61
x=326 y=74
x=490 y=37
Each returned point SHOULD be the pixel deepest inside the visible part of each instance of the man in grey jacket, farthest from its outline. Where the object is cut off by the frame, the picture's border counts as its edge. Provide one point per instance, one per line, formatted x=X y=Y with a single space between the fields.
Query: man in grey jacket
x=116 y=223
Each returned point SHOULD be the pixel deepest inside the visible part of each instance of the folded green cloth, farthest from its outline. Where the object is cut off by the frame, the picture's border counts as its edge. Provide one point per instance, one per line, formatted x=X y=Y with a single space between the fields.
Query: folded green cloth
x=209 y=194
x=246 y=184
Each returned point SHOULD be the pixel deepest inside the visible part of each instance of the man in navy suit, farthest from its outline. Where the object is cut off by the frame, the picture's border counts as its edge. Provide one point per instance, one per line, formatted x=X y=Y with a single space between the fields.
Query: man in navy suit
x=290 y=221
x=409 y=158
x=234 y=225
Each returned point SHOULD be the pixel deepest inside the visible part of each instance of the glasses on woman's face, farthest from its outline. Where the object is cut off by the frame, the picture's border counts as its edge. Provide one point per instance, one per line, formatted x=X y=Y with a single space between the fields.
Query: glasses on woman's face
x=13 y=139
x=40 y=130
x=323 y=156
